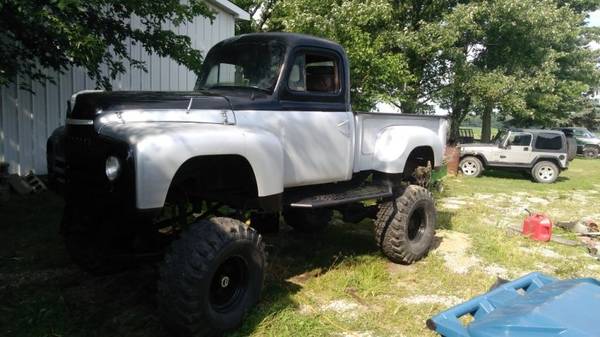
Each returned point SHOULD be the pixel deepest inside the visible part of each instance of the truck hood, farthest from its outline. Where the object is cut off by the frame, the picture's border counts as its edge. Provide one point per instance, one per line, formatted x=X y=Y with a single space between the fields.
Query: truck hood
x=148 y=106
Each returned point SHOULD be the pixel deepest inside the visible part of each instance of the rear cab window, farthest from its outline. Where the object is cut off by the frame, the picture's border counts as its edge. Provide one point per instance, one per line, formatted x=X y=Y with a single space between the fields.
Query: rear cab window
x=314 y=72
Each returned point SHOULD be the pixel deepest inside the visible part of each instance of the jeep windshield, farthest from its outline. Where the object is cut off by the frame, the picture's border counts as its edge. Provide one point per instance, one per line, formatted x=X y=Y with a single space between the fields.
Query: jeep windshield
x=253 y=66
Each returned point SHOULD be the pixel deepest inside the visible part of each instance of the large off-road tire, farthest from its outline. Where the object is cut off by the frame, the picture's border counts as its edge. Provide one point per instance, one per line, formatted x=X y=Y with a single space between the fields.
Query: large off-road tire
x=210 y=279
x=97 y=243
x=308 y=220
x=471 y=166
x=545 y=172
x=591 y=152
x=405 y=227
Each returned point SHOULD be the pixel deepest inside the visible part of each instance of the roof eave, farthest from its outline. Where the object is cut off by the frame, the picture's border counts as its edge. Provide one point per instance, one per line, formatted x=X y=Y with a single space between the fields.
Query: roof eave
x=231 y=8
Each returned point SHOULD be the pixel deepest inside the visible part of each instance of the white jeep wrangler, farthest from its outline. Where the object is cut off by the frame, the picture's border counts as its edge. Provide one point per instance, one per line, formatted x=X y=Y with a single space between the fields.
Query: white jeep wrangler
x=540 y=152
x=268 y=131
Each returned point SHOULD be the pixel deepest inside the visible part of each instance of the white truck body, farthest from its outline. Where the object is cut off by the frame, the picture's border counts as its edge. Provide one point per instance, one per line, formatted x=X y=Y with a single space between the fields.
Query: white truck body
x=284 y=149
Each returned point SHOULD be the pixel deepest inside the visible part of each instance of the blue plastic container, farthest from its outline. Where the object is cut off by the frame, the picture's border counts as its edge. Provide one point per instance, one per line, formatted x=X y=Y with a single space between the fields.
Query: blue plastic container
x=535 y=305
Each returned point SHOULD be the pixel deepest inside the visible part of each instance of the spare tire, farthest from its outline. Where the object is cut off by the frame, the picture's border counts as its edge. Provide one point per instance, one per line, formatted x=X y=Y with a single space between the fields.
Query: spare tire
x=571 y=148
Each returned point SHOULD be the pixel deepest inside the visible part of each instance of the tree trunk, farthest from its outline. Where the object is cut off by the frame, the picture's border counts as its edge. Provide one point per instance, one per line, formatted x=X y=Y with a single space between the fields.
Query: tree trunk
x=486 y=124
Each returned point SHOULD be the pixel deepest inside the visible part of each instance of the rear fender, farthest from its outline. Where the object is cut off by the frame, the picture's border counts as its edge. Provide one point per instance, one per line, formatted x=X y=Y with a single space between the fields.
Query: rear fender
x=394 y=145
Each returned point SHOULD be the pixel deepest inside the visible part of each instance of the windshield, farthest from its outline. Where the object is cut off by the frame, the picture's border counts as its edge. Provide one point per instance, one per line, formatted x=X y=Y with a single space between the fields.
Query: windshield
x=253 y=65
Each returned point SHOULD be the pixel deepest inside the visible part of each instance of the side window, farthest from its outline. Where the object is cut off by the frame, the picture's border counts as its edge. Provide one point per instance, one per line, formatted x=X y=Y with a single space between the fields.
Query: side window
x=520 y=139
x=579 y=133
x=314 y=73
x=548 y=141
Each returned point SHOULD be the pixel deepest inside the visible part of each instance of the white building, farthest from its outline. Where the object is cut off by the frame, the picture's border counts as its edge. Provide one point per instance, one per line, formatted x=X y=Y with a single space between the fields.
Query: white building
x=27 y=120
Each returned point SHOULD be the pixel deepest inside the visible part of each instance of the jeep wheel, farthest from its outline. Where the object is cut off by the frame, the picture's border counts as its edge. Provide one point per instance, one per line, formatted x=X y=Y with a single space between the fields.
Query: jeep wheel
x=471 y=166
x=545 y=172
x=307 y=220
x=98 y=245
x=590 y=152
x=212 y=276
x=405 y=227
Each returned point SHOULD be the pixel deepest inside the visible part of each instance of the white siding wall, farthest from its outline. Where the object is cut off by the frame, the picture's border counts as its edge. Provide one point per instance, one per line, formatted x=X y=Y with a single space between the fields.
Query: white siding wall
x=27 y=120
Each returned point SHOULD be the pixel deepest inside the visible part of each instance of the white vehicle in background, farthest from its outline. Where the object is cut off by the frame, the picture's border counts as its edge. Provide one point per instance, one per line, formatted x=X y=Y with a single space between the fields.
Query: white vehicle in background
x=540 y=152
x=268 y=131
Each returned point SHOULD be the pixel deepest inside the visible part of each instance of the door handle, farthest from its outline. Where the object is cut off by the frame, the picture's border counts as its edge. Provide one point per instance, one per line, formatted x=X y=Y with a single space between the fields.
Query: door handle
x=525 y=149
x=502 y=157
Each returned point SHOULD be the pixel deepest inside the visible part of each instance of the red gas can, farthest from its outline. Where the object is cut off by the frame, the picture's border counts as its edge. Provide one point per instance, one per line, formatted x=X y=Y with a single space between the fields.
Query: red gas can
x=538 y=227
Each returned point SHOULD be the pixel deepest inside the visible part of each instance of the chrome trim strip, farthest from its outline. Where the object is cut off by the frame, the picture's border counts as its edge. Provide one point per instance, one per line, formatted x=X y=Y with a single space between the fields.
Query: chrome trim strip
x=72 y=121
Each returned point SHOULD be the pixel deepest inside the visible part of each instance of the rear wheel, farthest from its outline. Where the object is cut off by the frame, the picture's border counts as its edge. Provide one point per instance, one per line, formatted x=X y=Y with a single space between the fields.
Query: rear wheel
x=308 y=220
x=405 y=227
x=545 y=172
x=471 y=166
x=591 y=152
x=211 y=278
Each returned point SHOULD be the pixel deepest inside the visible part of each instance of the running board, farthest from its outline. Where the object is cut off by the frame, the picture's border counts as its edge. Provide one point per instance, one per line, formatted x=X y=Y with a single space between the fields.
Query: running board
x=343 y=197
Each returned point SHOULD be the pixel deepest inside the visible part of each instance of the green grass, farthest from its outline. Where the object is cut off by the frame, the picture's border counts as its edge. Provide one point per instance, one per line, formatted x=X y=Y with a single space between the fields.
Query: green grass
x=335 y=283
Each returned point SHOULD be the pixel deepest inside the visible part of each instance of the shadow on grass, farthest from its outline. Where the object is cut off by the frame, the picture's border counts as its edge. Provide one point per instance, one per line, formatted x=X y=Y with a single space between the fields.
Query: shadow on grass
x=515 y=175
x=44 y=294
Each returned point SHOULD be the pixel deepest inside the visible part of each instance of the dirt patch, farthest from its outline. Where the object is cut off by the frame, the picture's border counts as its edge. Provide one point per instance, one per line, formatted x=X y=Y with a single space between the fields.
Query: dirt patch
x=454 y=248
x=345 y=308
x=356 y=334
x=447 y=301
x=545 y=252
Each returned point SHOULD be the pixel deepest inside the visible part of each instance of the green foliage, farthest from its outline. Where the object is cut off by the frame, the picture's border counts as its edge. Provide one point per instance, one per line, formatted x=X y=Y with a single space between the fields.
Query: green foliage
x=524 y=59
x=55 y=34
x=362 y=27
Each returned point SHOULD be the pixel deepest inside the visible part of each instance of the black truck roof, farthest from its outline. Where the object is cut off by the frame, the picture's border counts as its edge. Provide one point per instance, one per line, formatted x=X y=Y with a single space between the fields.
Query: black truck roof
x=289 y=39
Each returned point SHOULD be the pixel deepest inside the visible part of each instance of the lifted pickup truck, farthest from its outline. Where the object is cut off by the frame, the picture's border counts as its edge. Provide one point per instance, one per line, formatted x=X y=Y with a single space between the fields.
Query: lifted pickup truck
x=542 y=153
x=268 y=130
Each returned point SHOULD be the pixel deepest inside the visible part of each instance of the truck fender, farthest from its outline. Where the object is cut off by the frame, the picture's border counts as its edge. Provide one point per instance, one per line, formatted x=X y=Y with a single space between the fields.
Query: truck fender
x=160 y=150
x=394 y=145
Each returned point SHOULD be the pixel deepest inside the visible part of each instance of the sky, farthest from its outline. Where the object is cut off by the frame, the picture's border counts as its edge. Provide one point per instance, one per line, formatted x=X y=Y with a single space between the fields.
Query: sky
x=594 y=19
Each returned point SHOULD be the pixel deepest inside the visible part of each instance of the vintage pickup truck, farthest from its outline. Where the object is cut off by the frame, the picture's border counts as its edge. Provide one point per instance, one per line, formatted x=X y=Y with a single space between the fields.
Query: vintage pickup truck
x=268 y=131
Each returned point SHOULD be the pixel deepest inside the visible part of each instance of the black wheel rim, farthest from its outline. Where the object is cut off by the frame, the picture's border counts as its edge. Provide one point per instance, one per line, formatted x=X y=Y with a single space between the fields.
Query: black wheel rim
x=228 y=284
x=416 y=224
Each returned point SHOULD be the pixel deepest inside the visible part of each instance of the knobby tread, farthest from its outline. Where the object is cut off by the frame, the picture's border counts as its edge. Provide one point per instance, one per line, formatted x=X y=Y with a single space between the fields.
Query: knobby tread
x=187 y=264
x=391 y=225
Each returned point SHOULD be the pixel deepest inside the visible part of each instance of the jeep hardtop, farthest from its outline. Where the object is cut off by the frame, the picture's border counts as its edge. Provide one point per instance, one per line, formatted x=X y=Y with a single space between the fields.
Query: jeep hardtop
x=540 y=152
x=267 y=131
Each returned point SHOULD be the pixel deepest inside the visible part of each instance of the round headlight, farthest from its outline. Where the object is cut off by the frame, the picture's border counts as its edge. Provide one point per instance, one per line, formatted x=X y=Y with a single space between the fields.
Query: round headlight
x=113 y=168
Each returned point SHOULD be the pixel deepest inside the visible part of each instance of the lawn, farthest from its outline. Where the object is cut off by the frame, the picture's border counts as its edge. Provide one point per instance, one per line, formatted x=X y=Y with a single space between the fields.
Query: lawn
x=335 y=283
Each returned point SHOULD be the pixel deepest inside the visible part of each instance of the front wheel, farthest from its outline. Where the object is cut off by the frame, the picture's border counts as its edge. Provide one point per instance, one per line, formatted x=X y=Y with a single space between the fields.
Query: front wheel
x=471 y=166
x=545 y=172
x=211 y=278
x=405 y=227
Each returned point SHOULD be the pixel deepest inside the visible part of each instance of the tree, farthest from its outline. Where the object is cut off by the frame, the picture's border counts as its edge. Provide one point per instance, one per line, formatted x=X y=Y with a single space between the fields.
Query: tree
x=56 y=34
x=260 y=12
x=520 y=58
x=362 y=27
